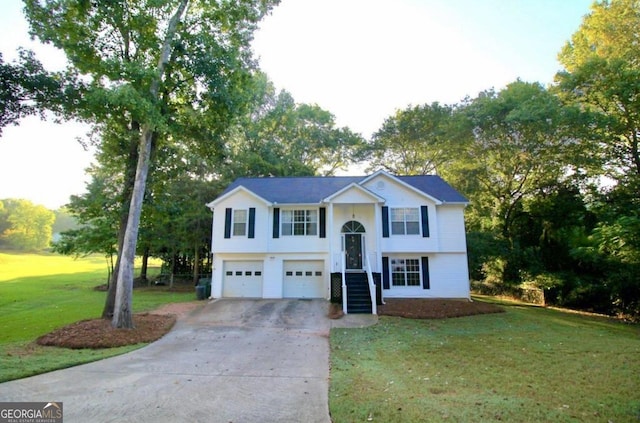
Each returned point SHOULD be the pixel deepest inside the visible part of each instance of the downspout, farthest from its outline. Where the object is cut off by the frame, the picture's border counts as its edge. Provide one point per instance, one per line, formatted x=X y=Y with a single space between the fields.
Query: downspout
x=213 y=256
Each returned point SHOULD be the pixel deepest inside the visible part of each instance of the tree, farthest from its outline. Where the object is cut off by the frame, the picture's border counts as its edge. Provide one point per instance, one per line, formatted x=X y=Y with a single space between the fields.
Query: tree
x=25 y=226
x=602 y=75
x=26 y=88
x=150 y=62
x=279 y=137
x=418 y=140
x=97 y=212
x=521 y=147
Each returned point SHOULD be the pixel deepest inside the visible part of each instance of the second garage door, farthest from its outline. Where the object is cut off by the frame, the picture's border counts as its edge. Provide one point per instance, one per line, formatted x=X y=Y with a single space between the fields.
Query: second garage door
x=242 y=279
x=304 y=279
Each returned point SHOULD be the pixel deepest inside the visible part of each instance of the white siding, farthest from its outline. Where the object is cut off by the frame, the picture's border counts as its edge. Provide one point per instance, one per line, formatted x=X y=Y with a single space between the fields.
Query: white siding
x=241 y=244
x=449 y=275
x=451 y=228
x=448 y=278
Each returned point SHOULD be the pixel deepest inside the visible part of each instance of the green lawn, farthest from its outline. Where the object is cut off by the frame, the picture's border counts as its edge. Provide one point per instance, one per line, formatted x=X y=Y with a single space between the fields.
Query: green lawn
x=42 y=292
x=528 y=364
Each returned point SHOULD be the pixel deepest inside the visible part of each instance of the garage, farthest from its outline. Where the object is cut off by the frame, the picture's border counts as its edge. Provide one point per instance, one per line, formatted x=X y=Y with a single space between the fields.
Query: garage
x=242 y=279
x=304 y=279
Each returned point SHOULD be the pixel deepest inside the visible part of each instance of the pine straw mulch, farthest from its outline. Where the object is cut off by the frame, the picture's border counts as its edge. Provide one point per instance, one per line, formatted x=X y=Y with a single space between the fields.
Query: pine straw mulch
x=426 y=308
x=422 y=308
x=98 y=333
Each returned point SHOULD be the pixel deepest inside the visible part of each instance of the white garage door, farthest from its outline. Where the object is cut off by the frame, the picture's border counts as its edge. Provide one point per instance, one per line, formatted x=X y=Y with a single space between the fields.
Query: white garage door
x=242 y=279
x=304 y=279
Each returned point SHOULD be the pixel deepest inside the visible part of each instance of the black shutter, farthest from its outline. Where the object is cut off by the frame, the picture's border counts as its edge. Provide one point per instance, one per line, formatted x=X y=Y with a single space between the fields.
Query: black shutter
x=323 y=222
x=385 y=222
x=252 y=222
x=276 y=222
x=227 y=223
x=425 y=273
x=385 y=272
x=424 y=211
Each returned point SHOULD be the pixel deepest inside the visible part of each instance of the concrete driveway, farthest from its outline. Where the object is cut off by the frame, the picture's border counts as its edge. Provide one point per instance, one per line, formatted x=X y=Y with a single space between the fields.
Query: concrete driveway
x=230 y=361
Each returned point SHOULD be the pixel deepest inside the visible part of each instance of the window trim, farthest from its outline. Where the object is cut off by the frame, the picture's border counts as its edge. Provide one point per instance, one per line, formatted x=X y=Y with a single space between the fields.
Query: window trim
x=416 y=214
x=235 y=223
x=394 y=263
x=299 y=222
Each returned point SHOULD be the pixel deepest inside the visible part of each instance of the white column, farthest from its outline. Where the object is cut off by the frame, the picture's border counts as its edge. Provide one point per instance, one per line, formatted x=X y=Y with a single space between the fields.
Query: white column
x=378 y=236
x=330 y=237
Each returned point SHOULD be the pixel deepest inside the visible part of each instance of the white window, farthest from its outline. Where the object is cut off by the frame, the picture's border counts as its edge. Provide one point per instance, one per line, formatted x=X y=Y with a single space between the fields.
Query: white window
x=239 y=222
x=405 y=272
x=405 y=221
x=299 y=222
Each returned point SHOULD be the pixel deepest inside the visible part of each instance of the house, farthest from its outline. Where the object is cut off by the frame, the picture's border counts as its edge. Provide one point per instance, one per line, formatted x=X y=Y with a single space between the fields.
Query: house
x=354 y=239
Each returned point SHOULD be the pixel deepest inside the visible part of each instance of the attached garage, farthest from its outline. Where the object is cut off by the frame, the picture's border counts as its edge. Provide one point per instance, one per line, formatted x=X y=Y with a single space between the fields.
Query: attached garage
x=304 y=279
x=242 y=279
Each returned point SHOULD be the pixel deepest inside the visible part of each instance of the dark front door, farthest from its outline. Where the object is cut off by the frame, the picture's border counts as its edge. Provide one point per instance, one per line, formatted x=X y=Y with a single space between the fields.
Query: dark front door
x=353 y=249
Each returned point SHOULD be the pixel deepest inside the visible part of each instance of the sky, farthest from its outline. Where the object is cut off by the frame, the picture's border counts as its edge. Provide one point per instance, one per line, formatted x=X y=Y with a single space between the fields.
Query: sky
x=359 y=59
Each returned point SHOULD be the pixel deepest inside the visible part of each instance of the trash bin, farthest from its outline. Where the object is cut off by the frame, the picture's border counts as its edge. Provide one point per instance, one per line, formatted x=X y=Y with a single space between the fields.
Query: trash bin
x=201 y=292
x=205 y=283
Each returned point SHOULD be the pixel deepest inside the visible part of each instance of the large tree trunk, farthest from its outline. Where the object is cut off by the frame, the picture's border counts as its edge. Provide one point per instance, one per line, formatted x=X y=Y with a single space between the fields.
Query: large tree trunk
x=123 y=313
x=129 y=180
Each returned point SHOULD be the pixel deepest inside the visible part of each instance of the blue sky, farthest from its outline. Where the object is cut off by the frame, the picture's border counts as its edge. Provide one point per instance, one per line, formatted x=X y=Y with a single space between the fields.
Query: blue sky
x=359 y=59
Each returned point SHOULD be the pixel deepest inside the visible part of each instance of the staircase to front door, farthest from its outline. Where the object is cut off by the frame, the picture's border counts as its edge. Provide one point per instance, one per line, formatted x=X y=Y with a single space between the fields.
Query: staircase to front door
x=358 y=294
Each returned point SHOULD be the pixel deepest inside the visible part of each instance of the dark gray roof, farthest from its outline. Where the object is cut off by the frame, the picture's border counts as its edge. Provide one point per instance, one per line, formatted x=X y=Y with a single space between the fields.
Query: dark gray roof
x=313 y=189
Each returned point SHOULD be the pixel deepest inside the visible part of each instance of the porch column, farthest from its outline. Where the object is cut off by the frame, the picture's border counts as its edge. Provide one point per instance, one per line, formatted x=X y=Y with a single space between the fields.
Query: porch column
x=378 y=236
x=330 y=236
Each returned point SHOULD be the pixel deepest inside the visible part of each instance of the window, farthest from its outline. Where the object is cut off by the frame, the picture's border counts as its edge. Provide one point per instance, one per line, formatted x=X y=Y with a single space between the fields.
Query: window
x=299 y=222
x=405 y=272
x=405 y=221
x=239 y=222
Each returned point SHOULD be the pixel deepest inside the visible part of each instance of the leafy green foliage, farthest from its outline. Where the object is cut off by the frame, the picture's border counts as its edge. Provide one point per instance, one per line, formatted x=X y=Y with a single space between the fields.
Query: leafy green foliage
x=159 y=73
x=602 y=74
x=418 y=140
x=280 y=137
x=24 y=225
x=26 y=88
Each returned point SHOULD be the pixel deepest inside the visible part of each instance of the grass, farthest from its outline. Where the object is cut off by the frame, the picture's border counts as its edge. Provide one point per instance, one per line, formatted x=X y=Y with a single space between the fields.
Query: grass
x=43 y=292
x=528 y=364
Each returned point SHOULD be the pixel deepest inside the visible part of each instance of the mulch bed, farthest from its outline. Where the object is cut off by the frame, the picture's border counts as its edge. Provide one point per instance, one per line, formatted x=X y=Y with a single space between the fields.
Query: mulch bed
x=98 y=333
x=420 y=308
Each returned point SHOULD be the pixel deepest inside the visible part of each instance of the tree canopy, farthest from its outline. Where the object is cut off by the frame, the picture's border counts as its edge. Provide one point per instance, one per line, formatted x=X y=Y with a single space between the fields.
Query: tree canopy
x=158 y=71
x=602 y=74
x=418 y=140
x=24 y=225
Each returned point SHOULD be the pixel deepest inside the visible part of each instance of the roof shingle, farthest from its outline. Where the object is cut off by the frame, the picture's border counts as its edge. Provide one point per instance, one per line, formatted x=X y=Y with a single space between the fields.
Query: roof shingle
x=313 y=189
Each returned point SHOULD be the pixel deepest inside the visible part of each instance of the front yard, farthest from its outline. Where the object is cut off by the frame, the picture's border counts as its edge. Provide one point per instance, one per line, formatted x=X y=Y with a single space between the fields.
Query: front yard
x=528 y=364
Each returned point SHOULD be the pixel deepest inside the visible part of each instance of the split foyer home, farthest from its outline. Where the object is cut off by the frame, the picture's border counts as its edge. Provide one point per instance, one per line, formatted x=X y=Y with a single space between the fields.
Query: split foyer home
x=353 y=239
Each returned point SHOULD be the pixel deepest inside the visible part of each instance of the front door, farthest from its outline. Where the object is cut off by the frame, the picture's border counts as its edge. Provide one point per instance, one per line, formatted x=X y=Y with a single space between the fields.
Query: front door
x=353 y=249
